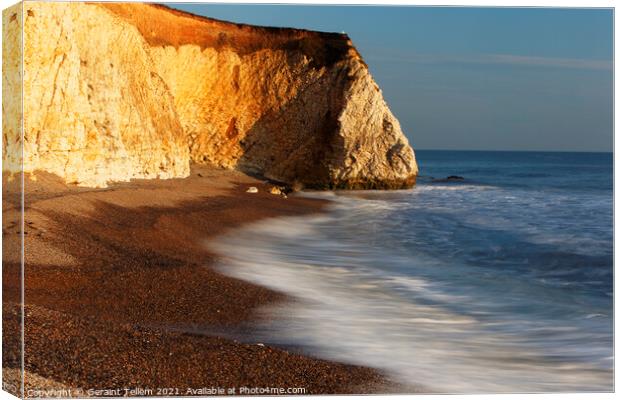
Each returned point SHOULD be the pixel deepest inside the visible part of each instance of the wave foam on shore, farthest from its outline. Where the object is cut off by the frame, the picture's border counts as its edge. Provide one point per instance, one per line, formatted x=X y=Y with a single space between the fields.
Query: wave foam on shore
x=357 y=302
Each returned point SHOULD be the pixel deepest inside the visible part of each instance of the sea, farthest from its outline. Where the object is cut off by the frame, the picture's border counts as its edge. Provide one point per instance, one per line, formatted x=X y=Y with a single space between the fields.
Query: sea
x=500 y=282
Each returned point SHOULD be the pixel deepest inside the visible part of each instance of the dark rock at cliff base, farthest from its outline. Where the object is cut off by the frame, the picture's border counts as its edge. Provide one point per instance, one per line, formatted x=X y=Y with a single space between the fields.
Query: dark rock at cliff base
x=451 y=178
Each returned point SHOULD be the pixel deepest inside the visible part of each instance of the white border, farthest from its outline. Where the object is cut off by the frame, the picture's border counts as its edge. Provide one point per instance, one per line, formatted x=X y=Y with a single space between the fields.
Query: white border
x=477 y=3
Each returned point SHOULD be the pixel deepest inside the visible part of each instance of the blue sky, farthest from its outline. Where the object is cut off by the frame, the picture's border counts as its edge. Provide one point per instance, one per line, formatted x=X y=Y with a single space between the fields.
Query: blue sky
x=474 y=78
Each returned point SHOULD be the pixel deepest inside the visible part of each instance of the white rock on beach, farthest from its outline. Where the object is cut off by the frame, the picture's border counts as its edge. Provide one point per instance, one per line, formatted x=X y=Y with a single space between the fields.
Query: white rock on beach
x=252 y=189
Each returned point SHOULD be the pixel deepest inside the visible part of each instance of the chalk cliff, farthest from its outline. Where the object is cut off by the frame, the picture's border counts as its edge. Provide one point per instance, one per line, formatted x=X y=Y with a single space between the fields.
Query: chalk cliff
x=115 y=91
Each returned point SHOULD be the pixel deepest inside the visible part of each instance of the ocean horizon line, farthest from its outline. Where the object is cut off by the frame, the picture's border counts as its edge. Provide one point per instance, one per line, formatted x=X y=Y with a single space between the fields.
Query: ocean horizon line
x=519 y=151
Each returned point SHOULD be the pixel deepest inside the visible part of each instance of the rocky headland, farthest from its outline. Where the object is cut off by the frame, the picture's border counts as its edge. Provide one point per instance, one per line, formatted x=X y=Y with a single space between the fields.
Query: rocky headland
x=146 y=132
x=117 y=91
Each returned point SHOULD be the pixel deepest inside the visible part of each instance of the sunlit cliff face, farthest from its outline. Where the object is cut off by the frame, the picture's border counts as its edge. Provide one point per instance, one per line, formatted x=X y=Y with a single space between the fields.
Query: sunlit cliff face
x=120 y=91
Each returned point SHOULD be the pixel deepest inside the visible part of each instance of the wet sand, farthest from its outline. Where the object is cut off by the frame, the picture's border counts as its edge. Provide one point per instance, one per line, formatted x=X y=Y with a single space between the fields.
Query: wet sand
x=120 y=292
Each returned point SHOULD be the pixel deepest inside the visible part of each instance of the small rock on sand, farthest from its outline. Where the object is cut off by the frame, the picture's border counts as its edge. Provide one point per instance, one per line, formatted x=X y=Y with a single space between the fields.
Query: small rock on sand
x=252 y=189
x=275 y=190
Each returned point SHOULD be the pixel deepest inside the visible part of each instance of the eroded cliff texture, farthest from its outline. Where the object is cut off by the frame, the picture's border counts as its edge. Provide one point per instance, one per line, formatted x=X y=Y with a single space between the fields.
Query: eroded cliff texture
x=118 y=91
x=95 y=107
x=12 y=88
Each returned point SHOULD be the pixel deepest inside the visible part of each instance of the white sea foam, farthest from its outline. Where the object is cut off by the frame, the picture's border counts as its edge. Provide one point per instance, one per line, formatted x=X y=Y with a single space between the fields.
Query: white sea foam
x=454 y=187
x=352 y=305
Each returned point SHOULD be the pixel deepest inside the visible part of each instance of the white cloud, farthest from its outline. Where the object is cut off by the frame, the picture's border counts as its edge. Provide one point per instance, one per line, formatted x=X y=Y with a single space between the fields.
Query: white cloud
x=574 y=63
x=501 y=59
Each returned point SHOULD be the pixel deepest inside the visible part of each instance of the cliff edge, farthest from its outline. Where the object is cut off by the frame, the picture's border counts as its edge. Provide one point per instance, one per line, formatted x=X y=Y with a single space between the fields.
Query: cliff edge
x=115 y=91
